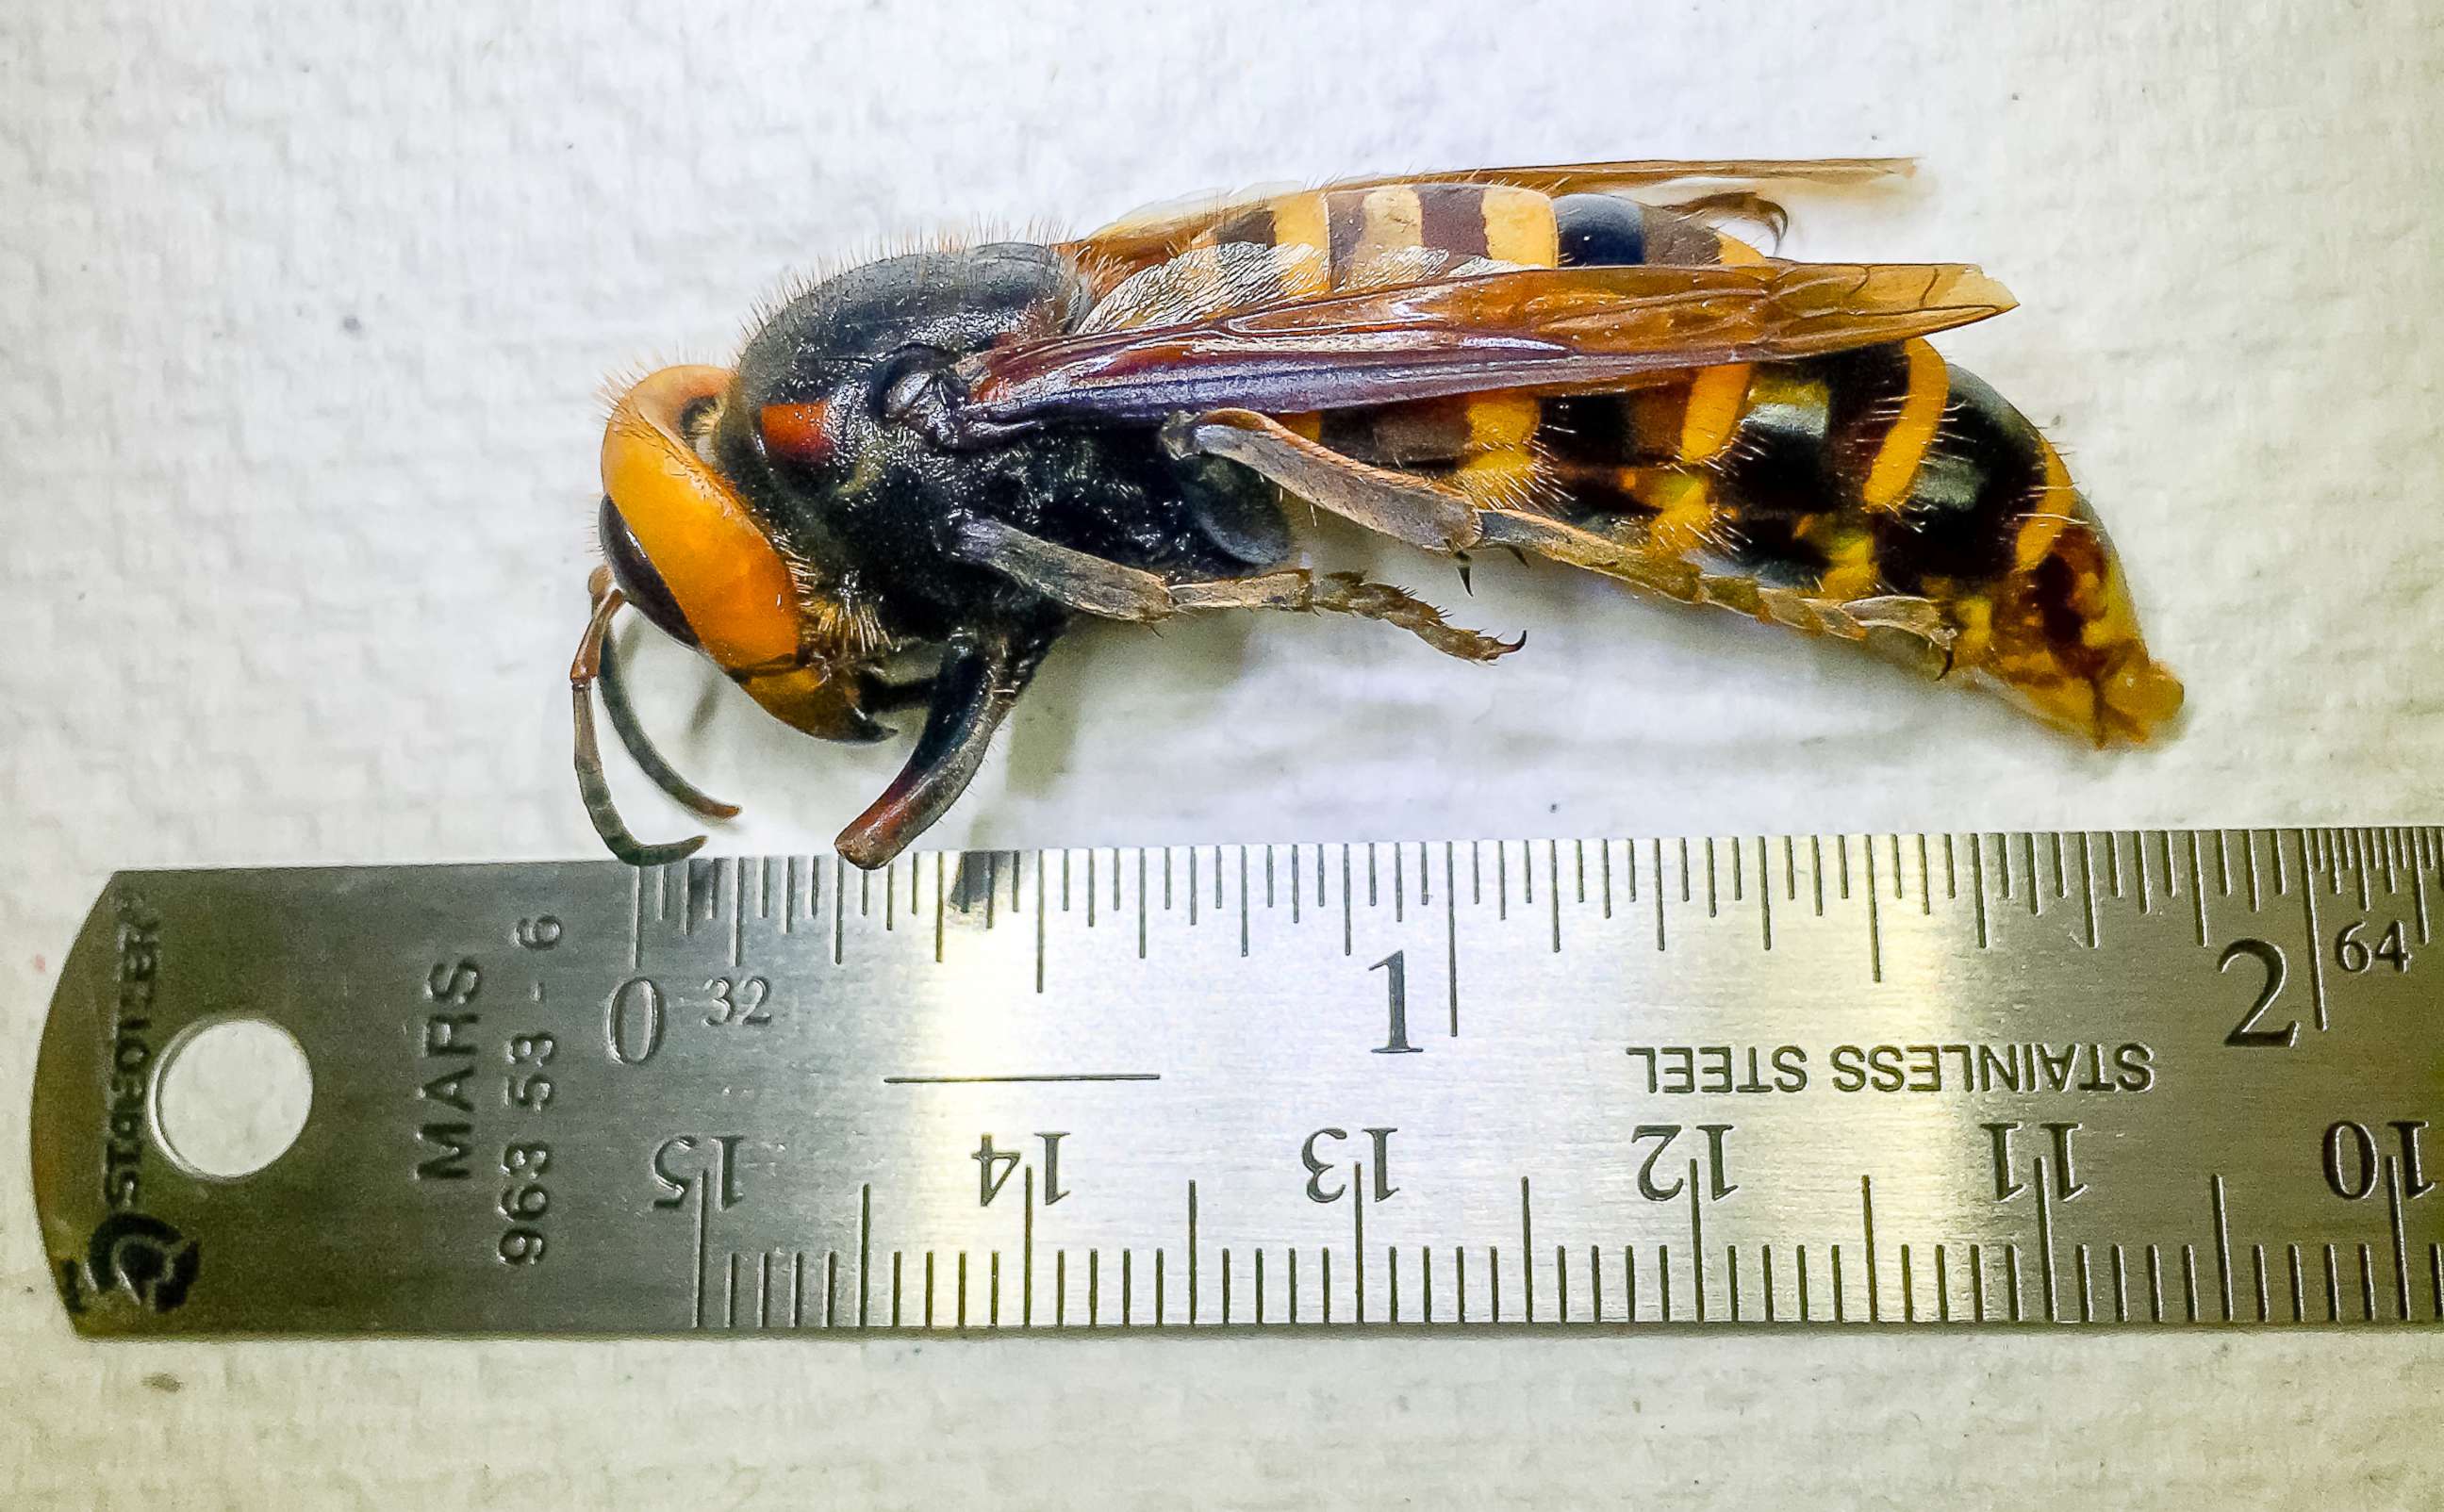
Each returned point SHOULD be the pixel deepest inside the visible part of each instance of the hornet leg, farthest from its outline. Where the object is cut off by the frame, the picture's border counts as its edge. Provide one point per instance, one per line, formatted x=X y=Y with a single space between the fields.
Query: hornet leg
x=1425 y=513
x=980 y=679
x=1112 y=591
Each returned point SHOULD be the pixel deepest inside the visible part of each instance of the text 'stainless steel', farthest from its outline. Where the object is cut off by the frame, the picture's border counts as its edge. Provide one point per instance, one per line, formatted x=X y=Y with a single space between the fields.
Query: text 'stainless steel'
x=2142 y=1078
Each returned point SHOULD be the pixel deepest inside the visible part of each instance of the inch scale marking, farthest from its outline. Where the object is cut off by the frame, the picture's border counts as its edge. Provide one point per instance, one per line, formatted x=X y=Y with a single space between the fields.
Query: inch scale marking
x=2106 y=1079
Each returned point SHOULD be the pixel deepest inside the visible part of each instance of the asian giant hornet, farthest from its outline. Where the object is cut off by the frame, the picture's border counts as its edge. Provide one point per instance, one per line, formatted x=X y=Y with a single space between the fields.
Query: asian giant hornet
x=962 y=453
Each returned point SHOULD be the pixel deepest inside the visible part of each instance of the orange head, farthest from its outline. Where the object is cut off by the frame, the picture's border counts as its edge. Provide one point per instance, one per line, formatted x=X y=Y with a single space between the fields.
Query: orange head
x=686 y=550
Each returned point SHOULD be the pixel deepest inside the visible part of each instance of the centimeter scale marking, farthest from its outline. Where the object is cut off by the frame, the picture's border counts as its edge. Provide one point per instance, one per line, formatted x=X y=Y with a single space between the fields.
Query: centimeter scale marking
x=2127 y=1079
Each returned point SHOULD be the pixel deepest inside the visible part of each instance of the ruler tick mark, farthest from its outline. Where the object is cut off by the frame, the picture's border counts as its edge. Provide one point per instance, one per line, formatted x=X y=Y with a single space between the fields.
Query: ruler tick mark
x=1696 y=1245
x=2154 y=1284
x=637 y=917
x=2299 y=1286
x=2197 y=885
x=2046 y=1246
x=1867 y=1203
x=1553 y=893
x=1765 y=898
x=1450 y=938
x=703 y=1236
x=2316 y=939
x=2222 y=1242
x=1357 y=1240
x=1976 y=1284
x=1874 y=928
x=2400 y=1245
x=1242 y=902
x=2257 y=1266
x=1346 y=906
x=2418 y=894
x=1528 y=1250
x=1050 y=1076
x=1656 y=854
x=737 y=911
x=1942 y=1287
x=2087 y=885
x=1977 y=883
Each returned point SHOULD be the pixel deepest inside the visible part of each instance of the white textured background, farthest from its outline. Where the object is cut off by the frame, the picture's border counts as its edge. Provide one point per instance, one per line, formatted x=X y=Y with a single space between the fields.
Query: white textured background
x=302 y=313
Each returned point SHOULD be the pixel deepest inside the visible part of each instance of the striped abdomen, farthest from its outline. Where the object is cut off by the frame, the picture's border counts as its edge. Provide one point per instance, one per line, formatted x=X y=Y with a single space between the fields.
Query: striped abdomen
x=1876 y=471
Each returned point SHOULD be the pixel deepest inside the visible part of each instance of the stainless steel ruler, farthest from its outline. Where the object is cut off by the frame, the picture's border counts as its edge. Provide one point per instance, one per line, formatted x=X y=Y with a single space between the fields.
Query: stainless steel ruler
x=2141 y=1079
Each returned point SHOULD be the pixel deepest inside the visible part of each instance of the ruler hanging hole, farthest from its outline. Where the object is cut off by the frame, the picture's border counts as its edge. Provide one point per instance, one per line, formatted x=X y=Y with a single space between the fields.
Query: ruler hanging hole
x=231 y=1097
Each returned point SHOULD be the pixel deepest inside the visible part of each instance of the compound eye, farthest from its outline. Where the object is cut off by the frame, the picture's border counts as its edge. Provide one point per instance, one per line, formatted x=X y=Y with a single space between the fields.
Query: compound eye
x=634 y=574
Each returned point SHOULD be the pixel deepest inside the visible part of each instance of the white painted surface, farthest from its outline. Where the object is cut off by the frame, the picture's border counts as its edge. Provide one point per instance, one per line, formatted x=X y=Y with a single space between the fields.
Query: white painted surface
x=305 y=310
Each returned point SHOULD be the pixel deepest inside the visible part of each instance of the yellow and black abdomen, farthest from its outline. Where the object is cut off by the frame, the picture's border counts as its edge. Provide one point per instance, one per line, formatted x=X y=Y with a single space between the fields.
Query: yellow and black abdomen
x=1881 y=470
x=1884 y=470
